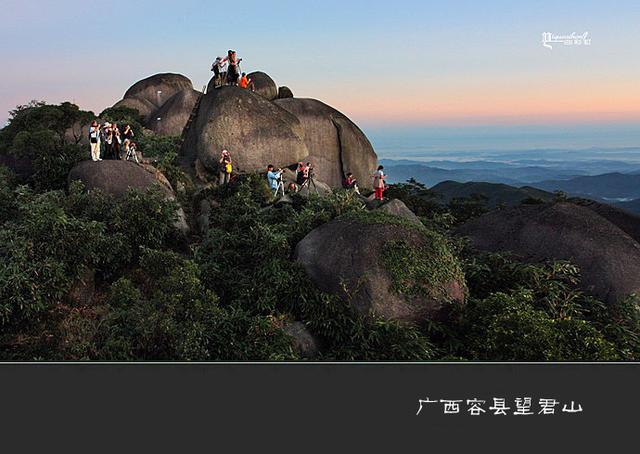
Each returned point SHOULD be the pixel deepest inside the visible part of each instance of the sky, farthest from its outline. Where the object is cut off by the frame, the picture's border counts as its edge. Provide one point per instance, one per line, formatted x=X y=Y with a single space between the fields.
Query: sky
x=383 y=63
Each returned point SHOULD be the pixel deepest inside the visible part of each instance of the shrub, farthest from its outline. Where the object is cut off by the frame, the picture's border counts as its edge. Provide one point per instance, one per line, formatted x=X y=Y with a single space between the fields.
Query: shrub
x=509 y=327
x=124 y=116
x=43 y=250
x=424 y=270
x=170 y=315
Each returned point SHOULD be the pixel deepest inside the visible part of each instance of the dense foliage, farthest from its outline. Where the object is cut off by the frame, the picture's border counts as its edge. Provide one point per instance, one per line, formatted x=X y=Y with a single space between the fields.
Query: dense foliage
x=46 y=138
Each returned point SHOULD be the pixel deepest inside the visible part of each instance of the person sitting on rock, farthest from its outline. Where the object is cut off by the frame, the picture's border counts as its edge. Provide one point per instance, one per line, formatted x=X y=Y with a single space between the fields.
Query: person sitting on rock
x=351 y=183
x=233 y=74
x=225 y=168
x=245 y=82
x=273 y=177
x=378 y=182
x=94 y=141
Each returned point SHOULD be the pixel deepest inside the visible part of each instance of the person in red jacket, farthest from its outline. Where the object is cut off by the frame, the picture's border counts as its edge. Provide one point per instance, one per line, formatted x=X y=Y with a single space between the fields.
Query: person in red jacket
x=351 y=183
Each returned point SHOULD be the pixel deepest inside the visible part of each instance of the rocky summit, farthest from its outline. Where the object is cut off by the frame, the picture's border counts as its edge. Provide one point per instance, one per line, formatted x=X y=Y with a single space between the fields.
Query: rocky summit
x=266 y=125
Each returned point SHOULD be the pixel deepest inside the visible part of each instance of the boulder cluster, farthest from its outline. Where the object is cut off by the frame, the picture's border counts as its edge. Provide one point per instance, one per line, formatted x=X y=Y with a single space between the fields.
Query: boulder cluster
x=265 y=126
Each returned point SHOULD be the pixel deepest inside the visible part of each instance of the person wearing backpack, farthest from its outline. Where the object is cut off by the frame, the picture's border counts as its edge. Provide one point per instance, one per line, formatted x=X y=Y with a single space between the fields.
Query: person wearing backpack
x=226 y=168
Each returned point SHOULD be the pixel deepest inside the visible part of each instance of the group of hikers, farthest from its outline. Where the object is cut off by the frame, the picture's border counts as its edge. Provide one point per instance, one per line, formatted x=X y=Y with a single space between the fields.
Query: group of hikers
x=226 y=71
x=304 y=177
x=109 y=142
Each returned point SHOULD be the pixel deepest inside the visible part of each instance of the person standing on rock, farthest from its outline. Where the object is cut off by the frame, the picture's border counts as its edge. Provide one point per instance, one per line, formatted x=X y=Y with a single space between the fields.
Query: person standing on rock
x=108 y=140
x=127 y=136
x=115 y=141
x=378 y=182
x=219 y=69
x=274 y=177
x=94 y=141
x=226 y=167
x=233 y=74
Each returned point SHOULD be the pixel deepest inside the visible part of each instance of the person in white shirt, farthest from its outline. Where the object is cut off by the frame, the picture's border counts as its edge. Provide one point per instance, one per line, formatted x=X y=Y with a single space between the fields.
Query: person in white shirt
x=94 y=141
x=378 y=182
x=219 y=69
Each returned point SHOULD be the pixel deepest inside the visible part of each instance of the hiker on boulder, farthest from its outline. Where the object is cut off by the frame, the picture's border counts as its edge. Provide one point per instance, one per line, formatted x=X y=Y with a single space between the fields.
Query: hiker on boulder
x=219 y=69
x=245 y=82
x=127 y=136
x=108 y=140
x=114 y=139
x=94 y=141
x=226 y=168
x=378 y=182
x=233 y=73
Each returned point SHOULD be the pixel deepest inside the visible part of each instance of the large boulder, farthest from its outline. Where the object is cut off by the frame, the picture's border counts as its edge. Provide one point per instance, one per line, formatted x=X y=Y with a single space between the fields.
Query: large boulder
x=336 y=145
x=116 y=177
x=315 y=188
x=256 y=132
x=609 y=259
x=397 y=207
x=304 y=343
x=284 y=93
x=171 y=118
x=264 y=85
x=628 y=222
x=145 y=108
x=159 y=88
x=384 y=267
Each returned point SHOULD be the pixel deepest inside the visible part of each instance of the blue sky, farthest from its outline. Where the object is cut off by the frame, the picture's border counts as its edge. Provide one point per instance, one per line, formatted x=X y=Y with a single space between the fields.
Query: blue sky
x=456 y=63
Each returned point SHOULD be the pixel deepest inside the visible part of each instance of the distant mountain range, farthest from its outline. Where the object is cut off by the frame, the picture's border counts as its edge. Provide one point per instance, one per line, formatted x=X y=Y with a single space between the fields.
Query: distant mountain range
x=609 y=186
x=511 y=182
x=508 y=175
x=496 y=193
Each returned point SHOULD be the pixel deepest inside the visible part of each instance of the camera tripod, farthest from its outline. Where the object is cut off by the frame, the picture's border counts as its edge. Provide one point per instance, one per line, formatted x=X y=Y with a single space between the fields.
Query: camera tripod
x=309 y=183
x=280 y=187
x=132 y=155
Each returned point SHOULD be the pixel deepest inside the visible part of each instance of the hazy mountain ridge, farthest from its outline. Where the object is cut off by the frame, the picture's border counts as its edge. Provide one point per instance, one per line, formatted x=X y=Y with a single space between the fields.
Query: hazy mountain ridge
x=610 y=181
x=496 y=193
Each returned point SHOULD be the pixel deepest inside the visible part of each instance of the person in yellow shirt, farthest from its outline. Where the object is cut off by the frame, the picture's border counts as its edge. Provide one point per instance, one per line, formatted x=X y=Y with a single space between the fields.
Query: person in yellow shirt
x=226 y=168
